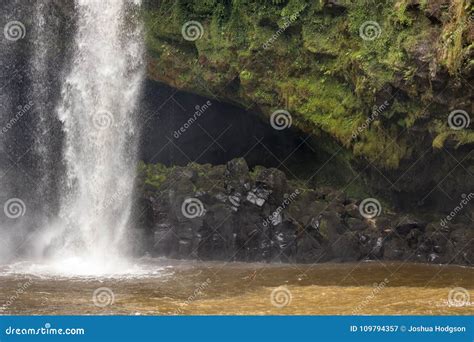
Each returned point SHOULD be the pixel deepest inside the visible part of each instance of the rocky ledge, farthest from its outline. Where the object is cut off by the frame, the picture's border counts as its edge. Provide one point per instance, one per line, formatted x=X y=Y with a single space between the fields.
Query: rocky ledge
x=228 y=212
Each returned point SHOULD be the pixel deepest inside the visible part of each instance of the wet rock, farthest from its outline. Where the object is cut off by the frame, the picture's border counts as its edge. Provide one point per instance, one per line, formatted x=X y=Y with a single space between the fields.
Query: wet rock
x=221 y=197
x=236 y=176
x=307 y=208
x=254 y=199
x=356 y=224
x=352 y=211
x=276 y=219
x=377 y=250
x=433 y=257
x=217 y=232
x=413 y=238
x=346 y=247
x=395 y=249
x=163 y=238
x=315 y=223
x=235 y=200
x=404 y=226
x=272 y=179
x=237 y=168
x=383 y=223
x=267 y=218
x=311 y=248
x=369 y=244
x=331 y=226
x=284 y=242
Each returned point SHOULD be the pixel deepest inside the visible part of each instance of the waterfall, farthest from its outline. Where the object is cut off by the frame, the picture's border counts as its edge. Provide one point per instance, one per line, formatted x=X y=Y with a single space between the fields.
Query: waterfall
x=98 y=99
x=70 y=84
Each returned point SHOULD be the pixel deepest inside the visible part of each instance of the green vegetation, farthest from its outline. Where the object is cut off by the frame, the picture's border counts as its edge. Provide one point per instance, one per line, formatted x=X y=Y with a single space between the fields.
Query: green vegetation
x=153 y=174
x=321 y=70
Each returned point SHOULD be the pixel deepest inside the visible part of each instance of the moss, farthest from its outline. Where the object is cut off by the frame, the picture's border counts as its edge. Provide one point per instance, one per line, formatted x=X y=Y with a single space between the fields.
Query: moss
x=324 y=230
x=454 y=40
x=318 y=68
x=153 y=175
x=438 y=142
x=256 y=170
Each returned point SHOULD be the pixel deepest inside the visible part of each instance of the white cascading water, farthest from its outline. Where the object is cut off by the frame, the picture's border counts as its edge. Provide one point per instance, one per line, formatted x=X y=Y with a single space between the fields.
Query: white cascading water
x=99 y=99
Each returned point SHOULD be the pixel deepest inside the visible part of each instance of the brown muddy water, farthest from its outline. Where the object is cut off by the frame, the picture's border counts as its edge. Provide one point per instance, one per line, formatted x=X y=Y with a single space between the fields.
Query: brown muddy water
x=164 y=287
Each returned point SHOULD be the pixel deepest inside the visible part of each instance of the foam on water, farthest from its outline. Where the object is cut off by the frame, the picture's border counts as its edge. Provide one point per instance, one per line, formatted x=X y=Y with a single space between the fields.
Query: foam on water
x=82 y=268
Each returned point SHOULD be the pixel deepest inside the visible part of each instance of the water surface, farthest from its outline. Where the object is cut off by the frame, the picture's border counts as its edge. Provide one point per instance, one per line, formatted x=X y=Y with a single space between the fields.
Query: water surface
x=164 y=287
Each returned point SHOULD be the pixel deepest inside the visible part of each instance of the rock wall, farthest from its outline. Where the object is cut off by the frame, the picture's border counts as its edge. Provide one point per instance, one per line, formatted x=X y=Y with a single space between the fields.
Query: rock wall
x=227 y=212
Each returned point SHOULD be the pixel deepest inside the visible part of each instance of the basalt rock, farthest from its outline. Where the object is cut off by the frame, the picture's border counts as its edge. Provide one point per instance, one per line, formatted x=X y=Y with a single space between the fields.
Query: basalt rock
x=230 y=213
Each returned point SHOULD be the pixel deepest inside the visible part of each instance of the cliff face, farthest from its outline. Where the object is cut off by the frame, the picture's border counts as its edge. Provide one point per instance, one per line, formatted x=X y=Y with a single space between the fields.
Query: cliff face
x=227 y=212
x=389 y=82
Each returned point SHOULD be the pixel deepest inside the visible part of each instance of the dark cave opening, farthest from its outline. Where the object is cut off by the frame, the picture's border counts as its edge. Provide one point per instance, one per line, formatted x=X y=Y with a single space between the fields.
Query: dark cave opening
x=180 y=127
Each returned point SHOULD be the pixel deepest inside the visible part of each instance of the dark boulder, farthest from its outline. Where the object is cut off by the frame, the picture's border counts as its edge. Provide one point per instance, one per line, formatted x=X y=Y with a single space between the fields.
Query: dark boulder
x=229 y=213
